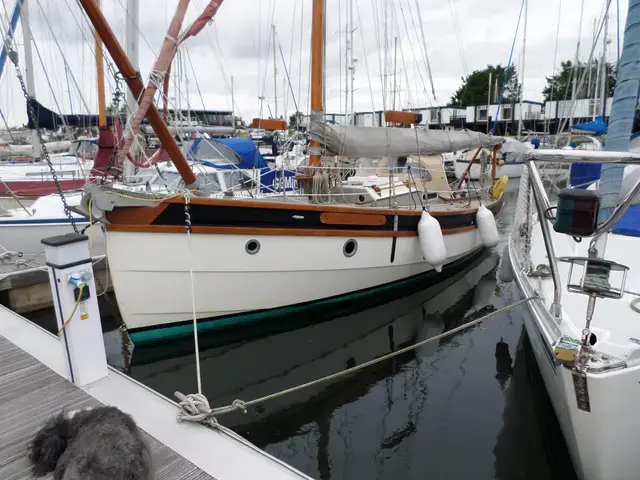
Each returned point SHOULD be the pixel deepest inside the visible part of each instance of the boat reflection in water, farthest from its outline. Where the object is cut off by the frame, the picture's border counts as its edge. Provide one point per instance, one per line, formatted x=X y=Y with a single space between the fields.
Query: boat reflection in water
x=251 y=367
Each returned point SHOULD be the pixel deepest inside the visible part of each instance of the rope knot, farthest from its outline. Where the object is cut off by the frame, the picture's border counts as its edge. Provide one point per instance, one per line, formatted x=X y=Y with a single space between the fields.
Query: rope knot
x=195 y=408
x=240 y=405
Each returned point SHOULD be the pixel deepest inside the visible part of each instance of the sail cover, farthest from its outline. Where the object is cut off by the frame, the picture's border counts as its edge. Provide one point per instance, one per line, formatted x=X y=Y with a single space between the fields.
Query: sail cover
x=373 y=142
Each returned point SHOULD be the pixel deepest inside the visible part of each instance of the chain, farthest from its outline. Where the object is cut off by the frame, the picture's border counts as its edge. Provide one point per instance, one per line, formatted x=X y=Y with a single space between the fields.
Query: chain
x=187 y=214
x=13 y=56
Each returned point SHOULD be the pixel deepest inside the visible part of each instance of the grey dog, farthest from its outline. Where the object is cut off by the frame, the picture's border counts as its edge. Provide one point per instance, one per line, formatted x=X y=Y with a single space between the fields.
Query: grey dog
x=101 y=443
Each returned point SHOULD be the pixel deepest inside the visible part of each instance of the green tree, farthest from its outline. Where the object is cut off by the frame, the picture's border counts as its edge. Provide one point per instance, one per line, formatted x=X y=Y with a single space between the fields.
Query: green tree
x=562 y=82
x=475 y=87
x=296 y=121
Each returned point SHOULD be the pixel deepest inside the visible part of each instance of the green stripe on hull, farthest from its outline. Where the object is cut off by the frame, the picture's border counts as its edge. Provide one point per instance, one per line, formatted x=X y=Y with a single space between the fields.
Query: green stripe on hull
x=173 y=332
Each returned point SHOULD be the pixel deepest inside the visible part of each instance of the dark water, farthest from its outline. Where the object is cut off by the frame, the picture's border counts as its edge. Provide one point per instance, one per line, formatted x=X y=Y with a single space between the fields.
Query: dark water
x=470 y=406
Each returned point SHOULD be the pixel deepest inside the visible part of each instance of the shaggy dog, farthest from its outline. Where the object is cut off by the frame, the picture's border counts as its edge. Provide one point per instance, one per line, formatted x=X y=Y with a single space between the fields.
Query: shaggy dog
x=101 y=443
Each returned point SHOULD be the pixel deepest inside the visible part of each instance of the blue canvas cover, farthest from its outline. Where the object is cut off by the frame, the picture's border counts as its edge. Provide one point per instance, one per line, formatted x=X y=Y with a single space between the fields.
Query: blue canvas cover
x=629 y=224
x=227 y=153
x=597 y=126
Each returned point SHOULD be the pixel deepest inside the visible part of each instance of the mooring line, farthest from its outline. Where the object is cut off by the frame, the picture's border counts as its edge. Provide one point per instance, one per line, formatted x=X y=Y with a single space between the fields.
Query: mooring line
x=195 y=407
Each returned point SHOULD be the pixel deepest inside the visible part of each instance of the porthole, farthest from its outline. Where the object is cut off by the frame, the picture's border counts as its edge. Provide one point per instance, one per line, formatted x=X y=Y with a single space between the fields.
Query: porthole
x=350 y=248
x=252 y=247
x=361 y=199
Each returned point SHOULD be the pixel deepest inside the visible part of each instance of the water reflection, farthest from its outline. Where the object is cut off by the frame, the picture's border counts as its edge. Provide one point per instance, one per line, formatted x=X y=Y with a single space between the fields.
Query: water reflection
x=504 y=368
x=396 y=419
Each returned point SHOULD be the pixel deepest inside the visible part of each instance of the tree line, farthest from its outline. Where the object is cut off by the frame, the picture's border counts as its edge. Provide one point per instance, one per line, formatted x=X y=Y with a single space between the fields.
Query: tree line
x=486 y=84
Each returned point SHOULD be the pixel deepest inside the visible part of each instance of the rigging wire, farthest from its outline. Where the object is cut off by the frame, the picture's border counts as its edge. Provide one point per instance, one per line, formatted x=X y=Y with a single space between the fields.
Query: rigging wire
x=506 y=70
x=426 y=55
x=590 y=58
x=195 y=78
x=415 y=58
x=458 y=32
x=366 y=61
x=555 y=57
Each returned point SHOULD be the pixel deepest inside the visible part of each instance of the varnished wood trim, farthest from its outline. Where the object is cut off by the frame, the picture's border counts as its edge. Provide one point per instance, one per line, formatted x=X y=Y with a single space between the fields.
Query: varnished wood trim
x=329 y=218
x=436 y=210
x=136 y=215
x=285 y=232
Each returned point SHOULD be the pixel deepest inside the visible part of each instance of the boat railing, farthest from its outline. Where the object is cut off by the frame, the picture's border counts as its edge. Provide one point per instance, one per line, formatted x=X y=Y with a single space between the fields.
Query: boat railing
x=533 y=184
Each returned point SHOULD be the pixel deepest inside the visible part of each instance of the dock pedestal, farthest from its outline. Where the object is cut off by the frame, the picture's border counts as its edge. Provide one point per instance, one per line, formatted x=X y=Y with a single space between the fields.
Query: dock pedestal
x=76 y=305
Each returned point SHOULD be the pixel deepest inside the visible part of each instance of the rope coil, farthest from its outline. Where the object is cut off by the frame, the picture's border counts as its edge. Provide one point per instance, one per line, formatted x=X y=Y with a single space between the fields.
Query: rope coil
x=196 y=408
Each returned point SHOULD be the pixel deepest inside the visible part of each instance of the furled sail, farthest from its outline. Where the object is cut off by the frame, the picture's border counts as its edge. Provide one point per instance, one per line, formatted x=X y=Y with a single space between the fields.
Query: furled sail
x=373 y=142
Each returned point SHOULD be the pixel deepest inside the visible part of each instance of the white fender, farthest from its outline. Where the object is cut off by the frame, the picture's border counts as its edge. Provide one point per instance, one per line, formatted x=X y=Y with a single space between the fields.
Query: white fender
x=487 y=227
x=505 y=272
x=432 y=241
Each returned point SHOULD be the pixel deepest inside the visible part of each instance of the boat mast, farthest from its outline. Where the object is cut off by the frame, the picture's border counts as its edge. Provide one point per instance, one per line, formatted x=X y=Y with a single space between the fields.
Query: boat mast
x=28 y=59
x=575 y=70
x=604 y=82
x=132 y=51
x=102 y=106
x=317 y=67
x=134 y=83
x=395 y=72
x=275 y=73
x=233 y=106
x=352 y=64
x=524 y=51
x=15 y=16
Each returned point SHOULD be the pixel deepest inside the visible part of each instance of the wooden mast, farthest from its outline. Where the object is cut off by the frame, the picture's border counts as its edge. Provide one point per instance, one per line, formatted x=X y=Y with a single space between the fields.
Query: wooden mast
x=102 y=105
x=317 y=67
x=135 y=85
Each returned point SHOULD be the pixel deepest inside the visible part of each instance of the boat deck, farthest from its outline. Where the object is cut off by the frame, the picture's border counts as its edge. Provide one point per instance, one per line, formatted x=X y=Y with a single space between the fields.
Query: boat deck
x=26 y=405
x=34 y=387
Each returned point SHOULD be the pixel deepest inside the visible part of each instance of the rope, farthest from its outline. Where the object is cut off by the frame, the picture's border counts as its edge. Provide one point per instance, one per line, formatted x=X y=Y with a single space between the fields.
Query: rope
x=542 y=271
x=195 y=407
x=188 y=228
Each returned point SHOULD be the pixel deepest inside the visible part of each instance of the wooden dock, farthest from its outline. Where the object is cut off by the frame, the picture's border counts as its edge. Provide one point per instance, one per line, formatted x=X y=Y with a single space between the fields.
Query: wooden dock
x=31 y=393
x=34 y=386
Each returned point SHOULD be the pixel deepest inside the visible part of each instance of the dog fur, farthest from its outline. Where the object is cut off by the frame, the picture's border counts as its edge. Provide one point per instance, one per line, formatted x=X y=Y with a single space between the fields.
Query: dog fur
x=101 y=443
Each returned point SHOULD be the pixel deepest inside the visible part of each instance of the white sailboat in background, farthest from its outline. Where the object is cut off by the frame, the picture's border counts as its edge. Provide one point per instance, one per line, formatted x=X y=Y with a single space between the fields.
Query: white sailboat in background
x=583 y=266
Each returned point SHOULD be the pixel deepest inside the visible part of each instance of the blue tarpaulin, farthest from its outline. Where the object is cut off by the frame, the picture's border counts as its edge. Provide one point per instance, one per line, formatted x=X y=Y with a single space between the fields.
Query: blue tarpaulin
x=596 y=127
x=629 y=224
x=244 y=154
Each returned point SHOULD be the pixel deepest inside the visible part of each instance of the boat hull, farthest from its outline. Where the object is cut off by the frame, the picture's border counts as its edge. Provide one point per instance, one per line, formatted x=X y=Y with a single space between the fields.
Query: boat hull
x=37 y=188
x=233 y=287
x=25 y=236
x=602 y=442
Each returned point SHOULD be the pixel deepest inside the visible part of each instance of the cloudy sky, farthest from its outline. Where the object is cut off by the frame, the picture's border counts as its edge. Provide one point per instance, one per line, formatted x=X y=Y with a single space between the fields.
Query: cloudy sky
x=460 y=36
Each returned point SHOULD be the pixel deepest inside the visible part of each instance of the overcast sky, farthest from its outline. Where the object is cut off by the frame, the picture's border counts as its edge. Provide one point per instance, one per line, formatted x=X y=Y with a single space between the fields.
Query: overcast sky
x=460 y=36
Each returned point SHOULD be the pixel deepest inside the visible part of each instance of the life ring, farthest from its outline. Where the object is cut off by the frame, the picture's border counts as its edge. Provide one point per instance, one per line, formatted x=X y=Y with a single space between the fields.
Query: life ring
x=499 y=186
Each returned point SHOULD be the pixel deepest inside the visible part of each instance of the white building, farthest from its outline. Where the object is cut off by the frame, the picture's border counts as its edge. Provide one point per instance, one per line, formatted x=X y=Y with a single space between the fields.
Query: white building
x=509 y=112
x=584 y=108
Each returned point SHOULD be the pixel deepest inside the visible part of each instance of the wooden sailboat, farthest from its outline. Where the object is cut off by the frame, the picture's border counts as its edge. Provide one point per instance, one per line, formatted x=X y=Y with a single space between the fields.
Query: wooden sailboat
x=251 y=260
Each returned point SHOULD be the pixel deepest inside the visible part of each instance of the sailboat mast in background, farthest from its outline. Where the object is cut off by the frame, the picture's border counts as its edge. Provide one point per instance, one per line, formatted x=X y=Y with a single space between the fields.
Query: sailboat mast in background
x=102 y=106
x=275 y=74
x=132 y=51
x=524 y=54
x=317 y=67
x=28 y=70
x=13 y=24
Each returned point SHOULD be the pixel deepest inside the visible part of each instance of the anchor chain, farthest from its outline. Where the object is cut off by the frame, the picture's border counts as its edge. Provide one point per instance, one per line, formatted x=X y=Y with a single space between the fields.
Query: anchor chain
x=13 y=56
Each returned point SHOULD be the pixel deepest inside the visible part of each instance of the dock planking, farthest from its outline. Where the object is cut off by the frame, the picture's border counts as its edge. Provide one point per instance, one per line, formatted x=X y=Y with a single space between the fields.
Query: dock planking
x=31 y=393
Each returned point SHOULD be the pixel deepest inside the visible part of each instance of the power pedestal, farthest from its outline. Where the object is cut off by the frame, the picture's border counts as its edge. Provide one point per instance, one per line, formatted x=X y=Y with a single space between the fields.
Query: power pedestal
x=76 y=304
